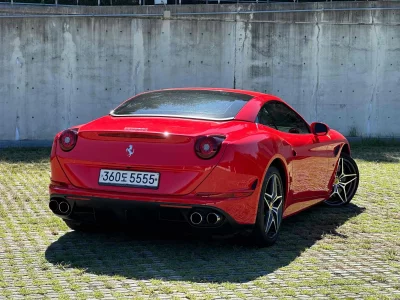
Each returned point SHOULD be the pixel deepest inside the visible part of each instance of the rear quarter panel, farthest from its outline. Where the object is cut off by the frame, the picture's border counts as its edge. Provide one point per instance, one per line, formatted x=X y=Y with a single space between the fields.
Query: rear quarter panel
x=248 y=155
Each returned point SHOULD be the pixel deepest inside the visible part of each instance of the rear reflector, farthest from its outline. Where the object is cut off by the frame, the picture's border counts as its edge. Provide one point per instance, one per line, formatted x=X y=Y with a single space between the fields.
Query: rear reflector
x=239 y=194
x=77 y=198
x=58 y=183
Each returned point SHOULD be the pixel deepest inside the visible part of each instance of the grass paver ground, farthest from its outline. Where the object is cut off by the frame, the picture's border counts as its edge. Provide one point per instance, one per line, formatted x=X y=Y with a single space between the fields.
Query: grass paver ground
x=347 y=252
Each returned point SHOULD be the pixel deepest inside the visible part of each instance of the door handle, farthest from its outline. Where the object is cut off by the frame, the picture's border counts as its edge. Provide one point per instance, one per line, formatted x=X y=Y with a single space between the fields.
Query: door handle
x=294 y=152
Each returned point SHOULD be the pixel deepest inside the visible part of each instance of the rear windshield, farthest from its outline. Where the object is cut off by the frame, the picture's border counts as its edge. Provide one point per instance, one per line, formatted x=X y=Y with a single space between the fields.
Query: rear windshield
x=185 y=103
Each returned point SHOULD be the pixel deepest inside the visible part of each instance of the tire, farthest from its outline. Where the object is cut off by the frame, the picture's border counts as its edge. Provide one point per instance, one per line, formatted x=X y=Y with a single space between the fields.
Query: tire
x=270 y=209
x=77 y=226
x=346 y=182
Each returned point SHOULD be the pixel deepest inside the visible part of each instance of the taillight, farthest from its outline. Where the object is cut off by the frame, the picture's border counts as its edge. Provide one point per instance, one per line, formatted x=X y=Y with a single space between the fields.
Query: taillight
x=207 y=147
x=68 y=139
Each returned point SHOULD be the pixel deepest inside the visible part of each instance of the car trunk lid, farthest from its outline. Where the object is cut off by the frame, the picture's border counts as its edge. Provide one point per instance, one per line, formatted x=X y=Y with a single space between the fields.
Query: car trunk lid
x=156 y=145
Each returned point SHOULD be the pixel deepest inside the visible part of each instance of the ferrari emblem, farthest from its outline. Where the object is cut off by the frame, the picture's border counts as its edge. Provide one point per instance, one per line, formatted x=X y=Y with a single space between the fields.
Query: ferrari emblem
x=130 y=150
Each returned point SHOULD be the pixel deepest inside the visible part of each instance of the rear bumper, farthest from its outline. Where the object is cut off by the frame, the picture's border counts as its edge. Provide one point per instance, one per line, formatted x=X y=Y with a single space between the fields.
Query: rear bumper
x=95 y=207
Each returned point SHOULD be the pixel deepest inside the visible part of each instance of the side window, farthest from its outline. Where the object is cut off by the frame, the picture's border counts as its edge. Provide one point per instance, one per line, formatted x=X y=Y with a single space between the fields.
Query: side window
x=264 y=118
x=279 y=116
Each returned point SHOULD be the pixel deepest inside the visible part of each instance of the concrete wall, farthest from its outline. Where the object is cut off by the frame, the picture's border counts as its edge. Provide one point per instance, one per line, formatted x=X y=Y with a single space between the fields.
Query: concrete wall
x=340 y=67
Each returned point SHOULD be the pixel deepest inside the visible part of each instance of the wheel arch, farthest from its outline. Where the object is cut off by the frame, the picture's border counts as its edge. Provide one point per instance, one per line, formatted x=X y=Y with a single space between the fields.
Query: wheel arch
x=346 y=149
x=259 y=231
x=279 y=163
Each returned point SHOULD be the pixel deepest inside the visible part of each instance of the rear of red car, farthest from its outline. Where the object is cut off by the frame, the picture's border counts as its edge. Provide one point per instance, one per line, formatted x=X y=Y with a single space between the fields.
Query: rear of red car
x=173 y=155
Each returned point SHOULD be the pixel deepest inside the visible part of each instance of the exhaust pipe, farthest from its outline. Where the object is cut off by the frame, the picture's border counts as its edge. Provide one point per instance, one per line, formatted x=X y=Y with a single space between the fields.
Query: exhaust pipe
x=213 y=218
x=53 y=205
x=196 y=218
x=63 y=207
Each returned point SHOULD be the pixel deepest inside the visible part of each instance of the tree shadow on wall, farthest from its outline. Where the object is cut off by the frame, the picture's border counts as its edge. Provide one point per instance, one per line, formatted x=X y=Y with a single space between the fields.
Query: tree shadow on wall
x=179 y=257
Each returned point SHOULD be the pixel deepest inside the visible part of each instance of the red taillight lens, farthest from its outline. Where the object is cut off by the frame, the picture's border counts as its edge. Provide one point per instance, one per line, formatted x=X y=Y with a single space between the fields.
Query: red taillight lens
x=207 y=147
x=68 y=139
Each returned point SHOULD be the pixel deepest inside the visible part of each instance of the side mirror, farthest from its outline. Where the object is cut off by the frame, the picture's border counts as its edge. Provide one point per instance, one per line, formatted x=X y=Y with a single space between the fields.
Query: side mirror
x=319 y=128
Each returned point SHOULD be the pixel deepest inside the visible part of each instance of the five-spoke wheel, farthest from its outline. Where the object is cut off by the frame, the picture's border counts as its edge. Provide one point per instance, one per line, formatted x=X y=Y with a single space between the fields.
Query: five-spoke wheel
x=346 y=181
x=273 y=198
x=270 y=209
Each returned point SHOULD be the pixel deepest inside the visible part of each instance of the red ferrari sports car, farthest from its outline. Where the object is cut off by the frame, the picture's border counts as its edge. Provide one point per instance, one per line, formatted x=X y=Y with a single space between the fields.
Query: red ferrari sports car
x=214 y=160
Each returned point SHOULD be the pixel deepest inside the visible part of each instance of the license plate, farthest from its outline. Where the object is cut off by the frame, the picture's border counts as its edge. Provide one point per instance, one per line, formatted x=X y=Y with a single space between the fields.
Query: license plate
x=129 y=178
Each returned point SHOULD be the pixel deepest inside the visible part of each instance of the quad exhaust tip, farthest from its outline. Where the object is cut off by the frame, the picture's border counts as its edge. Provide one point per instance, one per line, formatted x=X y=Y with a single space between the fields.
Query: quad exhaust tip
x=64 y=207
x=59 y=206
x=53 y=205
x=196 y=218
x=213 y=218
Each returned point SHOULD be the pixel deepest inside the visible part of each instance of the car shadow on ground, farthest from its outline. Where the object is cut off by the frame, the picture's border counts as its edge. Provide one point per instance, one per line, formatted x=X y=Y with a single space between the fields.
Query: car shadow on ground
x=179 y=257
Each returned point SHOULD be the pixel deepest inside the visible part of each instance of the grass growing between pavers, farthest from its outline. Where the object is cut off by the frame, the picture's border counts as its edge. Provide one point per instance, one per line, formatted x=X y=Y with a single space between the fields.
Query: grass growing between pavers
x=350 y=252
